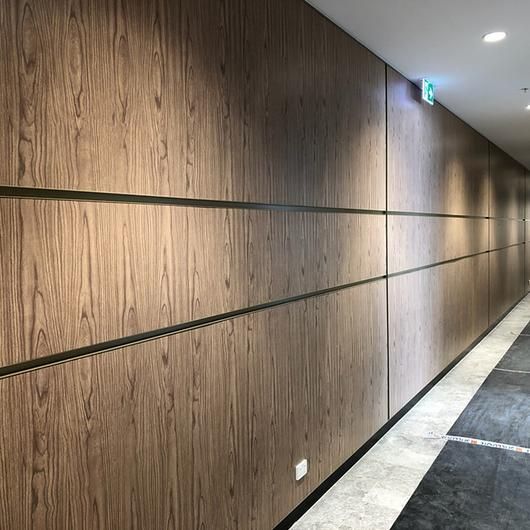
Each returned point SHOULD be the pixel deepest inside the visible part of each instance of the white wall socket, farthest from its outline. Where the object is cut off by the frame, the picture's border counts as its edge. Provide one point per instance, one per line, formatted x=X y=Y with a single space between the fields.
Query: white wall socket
x=301 y=469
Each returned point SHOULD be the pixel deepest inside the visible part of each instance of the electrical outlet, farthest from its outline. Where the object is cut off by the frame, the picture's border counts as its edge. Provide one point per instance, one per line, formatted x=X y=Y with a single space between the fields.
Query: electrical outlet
x=301 y=469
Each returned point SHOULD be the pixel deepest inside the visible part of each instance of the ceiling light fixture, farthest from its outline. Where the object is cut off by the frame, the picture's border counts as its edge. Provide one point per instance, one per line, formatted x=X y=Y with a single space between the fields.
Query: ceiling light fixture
x=527 y=107
x=495 y=36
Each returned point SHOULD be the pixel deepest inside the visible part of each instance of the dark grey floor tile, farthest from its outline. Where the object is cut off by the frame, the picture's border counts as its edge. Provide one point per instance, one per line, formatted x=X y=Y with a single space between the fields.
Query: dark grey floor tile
x=518 y=356
x=471 y=488
x=499 y=411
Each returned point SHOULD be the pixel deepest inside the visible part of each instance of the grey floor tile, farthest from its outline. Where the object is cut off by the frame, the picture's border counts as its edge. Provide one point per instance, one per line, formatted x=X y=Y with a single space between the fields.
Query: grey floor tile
x=472 y=488
x=518 y=356
x=499 y=411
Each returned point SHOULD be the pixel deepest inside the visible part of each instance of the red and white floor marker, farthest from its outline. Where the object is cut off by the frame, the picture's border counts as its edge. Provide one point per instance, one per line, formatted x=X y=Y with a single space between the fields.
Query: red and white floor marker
x=484 y=443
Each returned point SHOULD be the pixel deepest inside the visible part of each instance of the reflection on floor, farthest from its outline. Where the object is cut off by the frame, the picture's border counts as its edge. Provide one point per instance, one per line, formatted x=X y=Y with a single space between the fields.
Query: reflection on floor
x=468 y=486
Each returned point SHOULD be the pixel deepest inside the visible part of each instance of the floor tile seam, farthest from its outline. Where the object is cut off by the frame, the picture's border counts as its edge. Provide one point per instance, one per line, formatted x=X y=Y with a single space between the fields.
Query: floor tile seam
x=512 y=371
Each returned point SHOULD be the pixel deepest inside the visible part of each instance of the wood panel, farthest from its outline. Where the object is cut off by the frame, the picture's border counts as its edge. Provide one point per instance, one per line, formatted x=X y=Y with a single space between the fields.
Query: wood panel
x=254 y=101
x=507 y=278
x=505 y=232
x=527 y=248
x=415 y=241
x=200 y=429
x=527 y=196
x=507 y=185
x=434 y=314
x=436 y=163
x=79 y=273
x=527 y=267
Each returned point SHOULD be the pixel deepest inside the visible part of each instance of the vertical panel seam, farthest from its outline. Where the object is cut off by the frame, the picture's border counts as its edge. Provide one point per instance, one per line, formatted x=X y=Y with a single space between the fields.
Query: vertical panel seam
x=386 y=247
x=489 y=232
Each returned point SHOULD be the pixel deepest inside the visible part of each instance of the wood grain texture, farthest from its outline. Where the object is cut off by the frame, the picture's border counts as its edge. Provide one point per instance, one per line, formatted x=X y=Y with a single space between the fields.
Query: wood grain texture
x=505 y=232
x=527 y=267
x=200 y=429
x=433 y=315
x=79 y=273
x=254 y=101
x=436 y=163
x=507 y=185
x=527 y=196
x=415 y=241
x=507 y=277
x=249 y=101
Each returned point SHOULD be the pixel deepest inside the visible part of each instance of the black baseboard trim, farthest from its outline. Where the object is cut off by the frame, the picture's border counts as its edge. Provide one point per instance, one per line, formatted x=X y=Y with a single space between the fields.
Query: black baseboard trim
x=320 y=490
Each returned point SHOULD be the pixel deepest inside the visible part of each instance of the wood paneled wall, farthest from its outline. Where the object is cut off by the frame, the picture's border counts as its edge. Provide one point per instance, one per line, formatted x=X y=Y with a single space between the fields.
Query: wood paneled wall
x=196 y=202
x=416 y=241
x=436 y=163
x=507 y=202
x=434 y=314
x=506 y=279
x=265 y=108
x=199 y=429
x=471 y=198
x=248 y=101
x=81 y=273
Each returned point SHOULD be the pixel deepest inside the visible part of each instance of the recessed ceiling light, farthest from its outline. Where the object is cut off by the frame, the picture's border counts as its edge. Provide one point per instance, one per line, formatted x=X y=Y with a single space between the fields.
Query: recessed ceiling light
x=495 y=36
x=527 y=107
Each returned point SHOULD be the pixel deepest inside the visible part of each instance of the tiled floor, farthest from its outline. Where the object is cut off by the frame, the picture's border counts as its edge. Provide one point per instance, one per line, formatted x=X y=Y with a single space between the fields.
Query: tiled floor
x=373 y=493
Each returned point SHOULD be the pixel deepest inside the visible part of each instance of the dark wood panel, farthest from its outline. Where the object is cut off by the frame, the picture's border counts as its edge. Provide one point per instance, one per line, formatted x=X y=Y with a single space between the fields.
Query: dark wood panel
x=507 y=185
x=418 y=241
x=79 y=273
x=434 y=314
x=507 y=277
x=505 y=232
x=527 y=196
x=436 y=163
x=256 y=101
x=527 y=267
x=197 y=430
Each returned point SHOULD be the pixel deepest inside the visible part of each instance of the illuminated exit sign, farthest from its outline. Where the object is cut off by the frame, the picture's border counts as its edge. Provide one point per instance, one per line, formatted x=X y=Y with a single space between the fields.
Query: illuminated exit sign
x=427 y=91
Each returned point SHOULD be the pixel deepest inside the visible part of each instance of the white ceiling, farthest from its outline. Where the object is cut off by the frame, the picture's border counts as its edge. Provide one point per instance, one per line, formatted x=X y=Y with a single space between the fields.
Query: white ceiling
x=442 y=41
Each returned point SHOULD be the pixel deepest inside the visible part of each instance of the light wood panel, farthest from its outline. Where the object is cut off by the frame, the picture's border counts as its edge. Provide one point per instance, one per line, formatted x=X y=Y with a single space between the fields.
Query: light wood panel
x=433 y=315
x=254 y=101
x=505 y=232
x=415 y=241
x=436 y=163
x=200 y=429
x=79 y=273
x=507 y=185
x=507 y=277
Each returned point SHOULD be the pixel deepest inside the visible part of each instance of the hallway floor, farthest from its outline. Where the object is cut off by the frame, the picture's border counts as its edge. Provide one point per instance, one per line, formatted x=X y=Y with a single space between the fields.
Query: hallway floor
x=458 y=459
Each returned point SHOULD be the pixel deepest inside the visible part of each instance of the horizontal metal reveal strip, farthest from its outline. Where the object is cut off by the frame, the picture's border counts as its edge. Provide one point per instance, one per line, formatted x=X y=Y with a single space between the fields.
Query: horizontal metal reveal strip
x=23 y=192
x=452 y=260
x=131 y=340
x=131 y=198
x=451 y=215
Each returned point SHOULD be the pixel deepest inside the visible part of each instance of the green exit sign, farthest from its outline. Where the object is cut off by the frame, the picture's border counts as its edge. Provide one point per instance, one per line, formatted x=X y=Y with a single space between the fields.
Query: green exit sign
x=427 y=91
